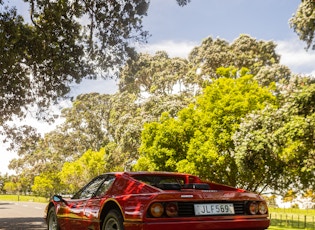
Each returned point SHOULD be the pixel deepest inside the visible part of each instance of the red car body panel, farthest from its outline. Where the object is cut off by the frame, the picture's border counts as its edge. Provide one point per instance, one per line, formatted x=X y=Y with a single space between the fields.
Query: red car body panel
x=133 y=197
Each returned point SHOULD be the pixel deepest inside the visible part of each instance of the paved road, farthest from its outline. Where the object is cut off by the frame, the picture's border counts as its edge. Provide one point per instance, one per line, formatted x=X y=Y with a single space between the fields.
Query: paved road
x=22 y=215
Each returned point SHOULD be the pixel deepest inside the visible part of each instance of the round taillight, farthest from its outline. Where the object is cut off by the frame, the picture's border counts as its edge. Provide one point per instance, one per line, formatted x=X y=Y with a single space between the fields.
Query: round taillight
x=156 y=209
x=253 y=208
x=171 y=209
x=262 y=208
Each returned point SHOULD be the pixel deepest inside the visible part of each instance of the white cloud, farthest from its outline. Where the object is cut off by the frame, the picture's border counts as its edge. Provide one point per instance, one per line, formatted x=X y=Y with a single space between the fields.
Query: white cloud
x=106 y=86
x=294 y=55
x=173 y=49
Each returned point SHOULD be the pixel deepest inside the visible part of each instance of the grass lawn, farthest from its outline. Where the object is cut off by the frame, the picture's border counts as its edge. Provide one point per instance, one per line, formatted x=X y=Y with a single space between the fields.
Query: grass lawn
x=282 y=228
x=292 y=219
x=23 y=198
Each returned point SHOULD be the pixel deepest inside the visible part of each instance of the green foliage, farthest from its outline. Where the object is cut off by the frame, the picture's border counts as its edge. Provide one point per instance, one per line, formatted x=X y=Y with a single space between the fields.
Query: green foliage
x=11 y=184
x=95 y=121
x=46 y=184
x=254 y=152
x=229 y=72
x=289 y=196
x=183 y=2
x=78 y=173
x=157 y=74
x=60 y=43
x=199 y=140
x=43 y=57
x=230 y=136
x=218 y=113
x=309 y=194
x=164 y=144
x=10 y=187
x=85 y=127
x=253 y=131
x=245 y=51
x=303 y=22
x=274 y=74
x=275 y=146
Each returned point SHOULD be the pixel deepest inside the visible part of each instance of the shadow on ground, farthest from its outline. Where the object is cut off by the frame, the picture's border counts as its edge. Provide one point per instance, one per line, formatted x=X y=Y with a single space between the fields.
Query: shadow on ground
x=22 y=223
x=4 y=204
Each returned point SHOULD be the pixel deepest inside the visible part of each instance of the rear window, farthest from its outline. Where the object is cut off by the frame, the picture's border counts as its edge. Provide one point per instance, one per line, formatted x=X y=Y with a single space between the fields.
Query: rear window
x=172 y=182
x=160 y=180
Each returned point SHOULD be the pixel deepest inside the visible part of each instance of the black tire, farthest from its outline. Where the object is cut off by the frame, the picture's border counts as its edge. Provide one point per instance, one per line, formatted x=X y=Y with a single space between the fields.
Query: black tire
x=113 y=221
x=52 y=222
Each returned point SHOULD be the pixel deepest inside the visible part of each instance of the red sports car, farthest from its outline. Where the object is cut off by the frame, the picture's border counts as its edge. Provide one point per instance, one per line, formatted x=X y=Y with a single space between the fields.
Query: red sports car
x=157 y=201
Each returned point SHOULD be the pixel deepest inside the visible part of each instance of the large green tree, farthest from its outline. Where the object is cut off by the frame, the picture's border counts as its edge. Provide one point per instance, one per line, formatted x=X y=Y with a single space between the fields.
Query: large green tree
x=154 y=74
x=276 y=147
x=199 y=140
x=244 y=51
x=60 y=43
x=41 y=56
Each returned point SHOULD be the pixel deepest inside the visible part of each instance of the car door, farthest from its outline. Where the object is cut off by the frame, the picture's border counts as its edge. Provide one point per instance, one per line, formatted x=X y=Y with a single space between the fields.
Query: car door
x=94 y=205
x=70 y=214
x=76 y=206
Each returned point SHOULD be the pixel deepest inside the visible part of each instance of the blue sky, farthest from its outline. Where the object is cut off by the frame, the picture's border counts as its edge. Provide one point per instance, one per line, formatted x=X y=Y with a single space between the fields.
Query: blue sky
x=178 y=29
x=227 y=19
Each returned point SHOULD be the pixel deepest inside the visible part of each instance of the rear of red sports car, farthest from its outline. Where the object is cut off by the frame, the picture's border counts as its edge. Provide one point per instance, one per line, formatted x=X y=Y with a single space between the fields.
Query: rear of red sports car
x=161 y=201
x=183 y=201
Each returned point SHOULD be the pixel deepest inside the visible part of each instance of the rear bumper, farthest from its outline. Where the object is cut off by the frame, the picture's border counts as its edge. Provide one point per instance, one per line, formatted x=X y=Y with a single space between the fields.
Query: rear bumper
x=241 y=224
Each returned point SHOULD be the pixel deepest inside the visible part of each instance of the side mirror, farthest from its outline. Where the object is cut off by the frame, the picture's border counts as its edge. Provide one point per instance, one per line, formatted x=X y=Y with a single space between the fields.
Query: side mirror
x=58 y=198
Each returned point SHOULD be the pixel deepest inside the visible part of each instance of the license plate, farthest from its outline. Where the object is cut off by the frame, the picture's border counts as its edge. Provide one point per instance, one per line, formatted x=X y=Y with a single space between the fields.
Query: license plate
x=213 y=209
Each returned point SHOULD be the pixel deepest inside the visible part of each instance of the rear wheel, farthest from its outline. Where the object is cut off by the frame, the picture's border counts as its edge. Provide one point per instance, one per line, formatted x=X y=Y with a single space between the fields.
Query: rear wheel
x=52 y=221
x=113 y=221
